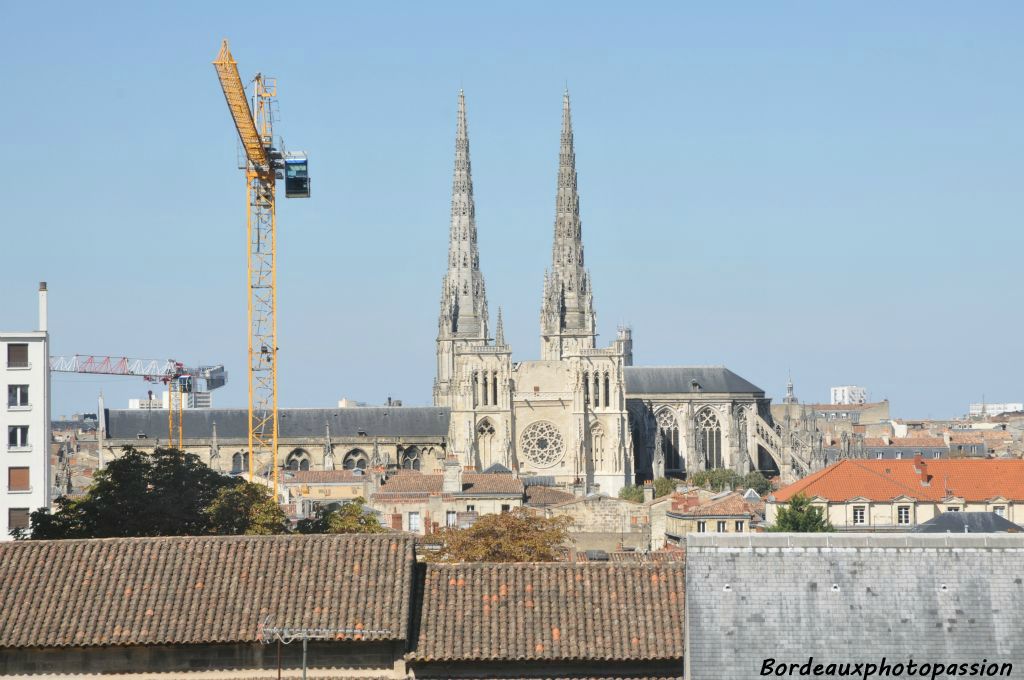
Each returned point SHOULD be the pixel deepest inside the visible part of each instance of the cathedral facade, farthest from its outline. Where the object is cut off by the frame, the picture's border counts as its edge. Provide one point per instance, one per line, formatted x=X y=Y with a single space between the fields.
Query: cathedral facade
x=581 y=414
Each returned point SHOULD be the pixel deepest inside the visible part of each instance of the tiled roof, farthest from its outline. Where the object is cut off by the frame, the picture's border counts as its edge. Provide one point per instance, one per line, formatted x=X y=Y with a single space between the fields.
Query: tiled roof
x=551 y=612
x=907 y=442
x=204 y=589
x=472 y=483
x=320 y=477
x=732 y=505
x=883 y=480
x=541 y=496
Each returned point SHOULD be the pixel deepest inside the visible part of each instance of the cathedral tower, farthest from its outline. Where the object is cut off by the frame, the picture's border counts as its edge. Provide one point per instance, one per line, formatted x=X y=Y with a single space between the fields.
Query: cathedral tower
x=567 y=319
x=463 y=318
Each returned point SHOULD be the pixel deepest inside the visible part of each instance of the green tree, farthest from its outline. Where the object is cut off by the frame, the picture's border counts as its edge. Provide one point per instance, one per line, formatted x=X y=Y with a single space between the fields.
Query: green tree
x=138 y=494
x=632 y=492
x=799 y=515
x=345 y=518
x=663 y=486
x=517 y=536
x=717 y=479
x=246 y=508
x=756 y=481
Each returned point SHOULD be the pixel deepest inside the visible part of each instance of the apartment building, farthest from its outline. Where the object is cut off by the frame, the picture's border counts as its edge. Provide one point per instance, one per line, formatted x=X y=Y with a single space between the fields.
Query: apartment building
x=25 y=423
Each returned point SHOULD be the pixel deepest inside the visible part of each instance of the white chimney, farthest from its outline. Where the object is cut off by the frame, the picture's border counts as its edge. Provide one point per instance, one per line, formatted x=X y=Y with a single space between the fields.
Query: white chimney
x=42 y=305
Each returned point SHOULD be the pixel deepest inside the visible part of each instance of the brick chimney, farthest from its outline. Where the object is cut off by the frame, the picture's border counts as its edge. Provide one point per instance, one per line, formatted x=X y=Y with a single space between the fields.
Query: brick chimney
x=648 y=491
x=921 y=468
x=452 y=482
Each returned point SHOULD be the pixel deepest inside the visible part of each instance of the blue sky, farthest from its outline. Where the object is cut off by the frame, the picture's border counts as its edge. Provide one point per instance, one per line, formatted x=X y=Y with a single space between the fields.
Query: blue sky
x=832 y=189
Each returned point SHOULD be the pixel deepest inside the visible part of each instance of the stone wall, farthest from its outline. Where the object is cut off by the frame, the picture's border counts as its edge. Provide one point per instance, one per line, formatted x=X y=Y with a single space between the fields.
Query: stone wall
x=857 y=598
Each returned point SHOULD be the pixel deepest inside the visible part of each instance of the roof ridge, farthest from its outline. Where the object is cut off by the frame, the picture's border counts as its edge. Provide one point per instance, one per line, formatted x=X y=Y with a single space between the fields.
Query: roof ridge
x=892 y=481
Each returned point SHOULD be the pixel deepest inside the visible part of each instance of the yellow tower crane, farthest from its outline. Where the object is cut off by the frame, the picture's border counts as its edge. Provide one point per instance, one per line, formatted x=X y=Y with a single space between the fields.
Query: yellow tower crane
x=265 y=163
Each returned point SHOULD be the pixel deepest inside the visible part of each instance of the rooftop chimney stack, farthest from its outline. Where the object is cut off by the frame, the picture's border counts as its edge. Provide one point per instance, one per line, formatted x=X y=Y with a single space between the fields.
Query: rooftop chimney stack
x=42 y=306
x=648 y=491
x=452 y=482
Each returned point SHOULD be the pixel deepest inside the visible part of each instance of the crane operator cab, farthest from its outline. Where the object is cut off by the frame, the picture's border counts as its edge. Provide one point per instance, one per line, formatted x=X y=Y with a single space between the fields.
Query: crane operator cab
x=296 y=176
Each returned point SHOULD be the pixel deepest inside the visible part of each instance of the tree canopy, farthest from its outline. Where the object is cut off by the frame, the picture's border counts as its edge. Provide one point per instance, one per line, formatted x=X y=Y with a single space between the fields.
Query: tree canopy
x=799 y=515
x=348 y=518
x=516 y=536
x=165 y=493
x=246 y=508
x=635 y=492
x=720 y=479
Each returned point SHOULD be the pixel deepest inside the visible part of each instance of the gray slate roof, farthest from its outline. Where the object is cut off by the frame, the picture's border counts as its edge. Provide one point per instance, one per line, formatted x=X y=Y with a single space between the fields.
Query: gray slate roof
x=679 y=379
x=232 y=423
x=975 y=523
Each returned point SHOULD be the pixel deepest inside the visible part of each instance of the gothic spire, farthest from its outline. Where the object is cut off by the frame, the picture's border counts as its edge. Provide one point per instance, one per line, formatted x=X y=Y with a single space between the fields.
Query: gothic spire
x=463 y=298
x=499 y=334
x=567 y=311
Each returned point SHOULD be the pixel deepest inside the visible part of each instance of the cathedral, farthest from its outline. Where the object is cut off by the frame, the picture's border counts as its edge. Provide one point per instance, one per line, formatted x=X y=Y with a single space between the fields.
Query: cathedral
x=581 y=414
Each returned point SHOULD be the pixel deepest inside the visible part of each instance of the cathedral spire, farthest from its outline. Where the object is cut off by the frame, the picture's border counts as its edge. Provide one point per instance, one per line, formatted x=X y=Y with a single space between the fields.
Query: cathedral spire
x=499 y=334
x=567 y=311
x=463 y=298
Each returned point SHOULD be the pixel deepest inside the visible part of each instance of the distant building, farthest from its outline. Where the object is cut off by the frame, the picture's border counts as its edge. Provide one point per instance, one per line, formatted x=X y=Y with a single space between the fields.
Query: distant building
x=424 y=503
x=728 y=512
x=25 y=423
x=983 y=409
x=896 y=495
x=849 y=394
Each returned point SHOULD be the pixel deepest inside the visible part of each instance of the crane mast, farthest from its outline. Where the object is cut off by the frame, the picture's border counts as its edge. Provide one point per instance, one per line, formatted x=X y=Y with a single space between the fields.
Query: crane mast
x=264 y=163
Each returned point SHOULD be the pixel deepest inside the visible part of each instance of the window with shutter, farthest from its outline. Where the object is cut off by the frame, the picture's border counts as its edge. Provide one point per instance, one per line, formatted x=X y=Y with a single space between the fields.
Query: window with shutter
x=17 y=479
x=17 y=355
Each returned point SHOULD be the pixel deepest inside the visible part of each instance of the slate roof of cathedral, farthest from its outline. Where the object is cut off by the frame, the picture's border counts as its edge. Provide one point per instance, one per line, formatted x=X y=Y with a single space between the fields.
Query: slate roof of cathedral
x=679 y=379
x=883 y=480
x=551 y=612
x=384 y=421
x=472 y=483
x=201 y=589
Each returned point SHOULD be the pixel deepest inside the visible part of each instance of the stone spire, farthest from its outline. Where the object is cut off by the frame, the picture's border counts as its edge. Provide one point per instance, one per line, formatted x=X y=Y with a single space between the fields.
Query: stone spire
x=790 y=397
x=499 y=334
x=463 y=317
x=463 y=299
x=567 y=311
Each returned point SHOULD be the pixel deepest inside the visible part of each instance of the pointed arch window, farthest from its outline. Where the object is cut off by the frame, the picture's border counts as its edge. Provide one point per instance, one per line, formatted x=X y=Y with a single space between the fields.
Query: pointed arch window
x=356 y=459
x=485 y=437
x=668 y=426
x=597 y=445
x=239 y=462
x=709 y=439
x=411 y=458
x=297 y=460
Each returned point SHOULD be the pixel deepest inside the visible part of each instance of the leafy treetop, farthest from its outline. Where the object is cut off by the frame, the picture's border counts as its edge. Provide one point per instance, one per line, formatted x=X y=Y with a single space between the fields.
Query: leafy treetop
x=516 y=536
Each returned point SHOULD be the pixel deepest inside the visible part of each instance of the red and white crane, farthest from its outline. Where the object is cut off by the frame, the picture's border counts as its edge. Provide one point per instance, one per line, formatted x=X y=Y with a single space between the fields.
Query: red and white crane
x=179 y=379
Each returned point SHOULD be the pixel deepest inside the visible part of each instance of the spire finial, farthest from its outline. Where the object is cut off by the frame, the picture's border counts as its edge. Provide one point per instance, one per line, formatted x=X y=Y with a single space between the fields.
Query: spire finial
x=499 y=334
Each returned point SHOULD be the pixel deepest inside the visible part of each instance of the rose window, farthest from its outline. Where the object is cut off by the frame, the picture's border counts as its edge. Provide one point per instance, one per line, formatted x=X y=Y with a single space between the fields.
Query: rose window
x=542 y=444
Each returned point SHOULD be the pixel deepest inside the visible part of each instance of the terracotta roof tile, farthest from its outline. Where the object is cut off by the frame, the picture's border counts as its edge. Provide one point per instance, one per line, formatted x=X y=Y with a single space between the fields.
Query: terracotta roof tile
x=732 y=504
x=541 y=496
x=204 y=589
x=471 y=483
x=321 y=477
x=883 y=480
x=551 y=612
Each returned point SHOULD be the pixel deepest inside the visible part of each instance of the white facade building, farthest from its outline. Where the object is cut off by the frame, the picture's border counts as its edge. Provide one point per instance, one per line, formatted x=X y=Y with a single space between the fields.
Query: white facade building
x=986 y=409
x=849 y=394
x=25 y=423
